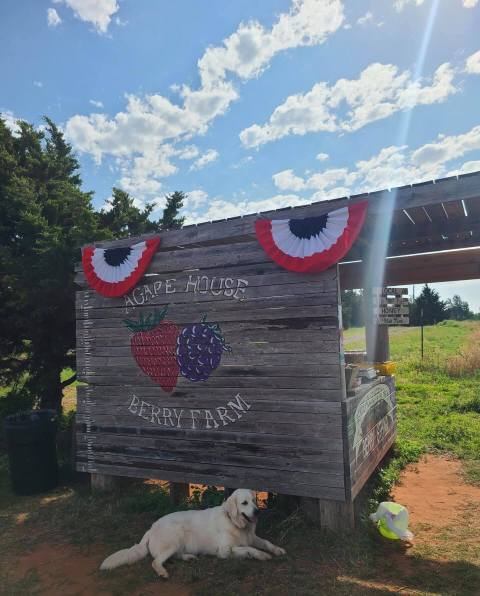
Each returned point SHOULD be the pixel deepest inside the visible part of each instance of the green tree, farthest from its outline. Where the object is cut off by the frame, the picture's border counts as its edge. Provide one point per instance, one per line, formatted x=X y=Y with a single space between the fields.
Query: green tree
x=170 y=219
x=46 y=217
x=427 y=308
x=124 y=218
x=458 y=309
x=352 y=309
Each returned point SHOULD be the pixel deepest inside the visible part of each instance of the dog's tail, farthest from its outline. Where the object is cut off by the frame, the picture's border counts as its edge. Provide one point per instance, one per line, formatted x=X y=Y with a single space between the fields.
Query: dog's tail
x=127 y=556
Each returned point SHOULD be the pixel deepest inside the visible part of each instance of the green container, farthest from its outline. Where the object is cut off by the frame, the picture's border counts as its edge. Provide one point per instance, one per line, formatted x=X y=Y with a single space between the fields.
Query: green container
x=32 y=451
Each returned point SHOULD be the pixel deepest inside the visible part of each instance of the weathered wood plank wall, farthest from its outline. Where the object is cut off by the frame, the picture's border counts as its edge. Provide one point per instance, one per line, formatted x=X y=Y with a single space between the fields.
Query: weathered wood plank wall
x=269 y=417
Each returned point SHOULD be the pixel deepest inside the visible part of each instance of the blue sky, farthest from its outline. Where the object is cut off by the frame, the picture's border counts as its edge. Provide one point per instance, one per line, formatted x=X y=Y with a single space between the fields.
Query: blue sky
x=250 y=105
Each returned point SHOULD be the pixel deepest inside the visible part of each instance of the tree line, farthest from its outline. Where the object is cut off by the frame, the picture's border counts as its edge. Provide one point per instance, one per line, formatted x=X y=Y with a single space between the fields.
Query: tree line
x=427 y=308
x=45 y=219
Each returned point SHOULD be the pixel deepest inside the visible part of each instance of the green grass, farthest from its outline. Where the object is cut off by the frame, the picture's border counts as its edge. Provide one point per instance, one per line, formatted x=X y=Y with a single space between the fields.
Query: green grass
x=437 y=412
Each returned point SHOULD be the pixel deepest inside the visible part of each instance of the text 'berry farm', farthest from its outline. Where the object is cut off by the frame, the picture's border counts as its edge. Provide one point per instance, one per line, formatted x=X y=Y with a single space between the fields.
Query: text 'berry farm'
x=204 y=419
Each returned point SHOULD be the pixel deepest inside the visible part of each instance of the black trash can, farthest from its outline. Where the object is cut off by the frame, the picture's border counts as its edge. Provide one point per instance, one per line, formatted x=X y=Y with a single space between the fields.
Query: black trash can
x=32 y=451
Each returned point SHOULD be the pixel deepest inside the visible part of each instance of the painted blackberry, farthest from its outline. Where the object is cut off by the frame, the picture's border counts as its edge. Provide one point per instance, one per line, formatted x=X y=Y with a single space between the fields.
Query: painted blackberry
x=199 y=350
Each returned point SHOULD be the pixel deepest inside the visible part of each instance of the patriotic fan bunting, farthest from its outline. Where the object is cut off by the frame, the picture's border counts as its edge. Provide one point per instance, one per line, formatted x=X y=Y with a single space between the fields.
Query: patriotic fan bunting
x=114 y=271
x=312 y=244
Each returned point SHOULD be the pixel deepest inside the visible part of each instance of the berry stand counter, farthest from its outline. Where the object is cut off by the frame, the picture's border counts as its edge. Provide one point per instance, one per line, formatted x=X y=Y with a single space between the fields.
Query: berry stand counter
x=206 y=360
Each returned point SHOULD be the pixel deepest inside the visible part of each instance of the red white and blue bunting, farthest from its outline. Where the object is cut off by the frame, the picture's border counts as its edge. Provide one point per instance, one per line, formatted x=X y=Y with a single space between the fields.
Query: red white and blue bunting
x=115 y=271
x=312 y=244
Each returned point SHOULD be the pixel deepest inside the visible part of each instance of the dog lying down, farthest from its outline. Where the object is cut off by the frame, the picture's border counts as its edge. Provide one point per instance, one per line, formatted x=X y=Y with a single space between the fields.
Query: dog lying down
x=224 y=531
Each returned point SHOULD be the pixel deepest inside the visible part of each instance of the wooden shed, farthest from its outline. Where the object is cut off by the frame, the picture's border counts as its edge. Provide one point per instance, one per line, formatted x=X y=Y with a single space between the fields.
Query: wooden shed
x=274 y=413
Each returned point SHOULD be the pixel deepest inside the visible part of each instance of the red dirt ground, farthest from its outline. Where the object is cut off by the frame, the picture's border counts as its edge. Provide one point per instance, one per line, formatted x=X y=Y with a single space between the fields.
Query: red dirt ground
x=433 y=491
x=63 y=570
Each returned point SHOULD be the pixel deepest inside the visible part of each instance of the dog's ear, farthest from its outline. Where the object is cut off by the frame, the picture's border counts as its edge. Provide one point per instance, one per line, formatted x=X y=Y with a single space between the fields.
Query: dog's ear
x=231 y=509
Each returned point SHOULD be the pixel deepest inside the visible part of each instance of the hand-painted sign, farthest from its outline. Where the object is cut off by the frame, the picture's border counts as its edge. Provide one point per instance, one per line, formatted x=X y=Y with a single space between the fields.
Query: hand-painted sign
x=391 y=306
x=163 y=351
x=228 y=287
x=188 y=418
x=374 y=418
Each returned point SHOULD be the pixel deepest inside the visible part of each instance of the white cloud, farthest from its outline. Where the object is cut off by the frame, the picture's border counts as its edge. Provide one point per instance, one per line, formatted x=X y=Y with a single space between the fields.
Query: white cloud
x=472 y=64
x=248 y=51
x=242 y=162
x=149 y=125
x=233 y=208
x=380 y=91
x=188 y=152
x=391 y=166
x=208 y=157
x=96 y=103
x=367 y=18
x=322 y=156
x=38 y=84
x=53 y=19
x=466 y=168
x=97 y=12
x=10 y=121
x=196 y=198
x=446 y=149
x=286 y=180
x=400 y=4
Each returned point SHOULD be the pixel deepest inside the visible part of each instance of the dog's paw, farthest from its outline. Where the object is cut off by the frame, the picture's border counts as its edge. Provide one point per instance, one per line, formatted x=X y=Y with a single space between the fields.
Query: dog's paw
x=160 y=569
x=278 y=551
x=261 y=555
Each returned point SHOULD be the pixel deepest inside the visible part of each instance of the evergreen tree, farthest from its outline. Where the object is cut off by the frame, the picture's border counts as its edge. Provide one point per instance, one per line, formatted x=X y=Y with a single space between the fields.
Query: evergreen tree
x=458 y=309
x=428 y=303
x=352 y=309
x=170 y=219
x=46 y=217
x=124 y=219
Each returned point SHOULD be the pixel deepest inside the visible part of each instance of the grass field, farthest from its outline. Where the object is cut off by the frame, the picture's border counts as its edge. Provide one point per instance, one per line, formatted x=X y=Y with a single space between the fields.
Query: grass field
x=438 y=404
x=439 y=411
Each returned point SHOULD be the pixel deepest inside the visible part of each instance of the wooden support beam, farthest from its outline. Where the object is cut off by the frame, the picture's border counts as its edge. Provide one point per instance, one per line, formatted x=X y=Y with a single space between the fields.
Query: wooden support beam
x=414 y=269
x=104 y=482
x=377 y=340
x=336 y=516
x=179 y=492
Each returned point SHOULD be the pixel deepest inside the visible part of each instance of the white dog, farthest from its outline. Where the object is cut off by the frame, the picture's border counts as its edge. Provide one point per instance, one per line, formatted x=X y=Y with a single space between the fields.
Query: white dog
x=224 y=531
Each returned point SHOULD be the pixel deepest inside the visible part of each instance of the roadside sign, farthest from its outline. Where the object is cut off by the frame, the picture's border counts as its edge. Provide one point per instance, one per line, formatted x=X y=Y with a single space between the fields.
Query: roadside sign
x=391 y=306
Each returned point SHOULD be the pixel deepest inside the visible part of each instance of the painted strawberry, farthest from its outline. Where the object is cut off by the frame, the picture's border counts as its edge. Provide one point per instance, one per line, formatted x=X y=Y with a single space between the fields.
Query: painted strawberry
x=153 y=346
x=199 y=350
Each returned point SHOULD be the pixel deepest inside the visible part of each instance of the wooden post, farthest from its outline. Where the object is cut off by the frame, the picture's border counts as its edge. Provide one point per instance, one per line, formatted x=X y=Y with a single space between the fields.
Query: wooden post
x=104 y=482
x=377 y=340
x=288 y=503
x=179 y=491
x=329 y=515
